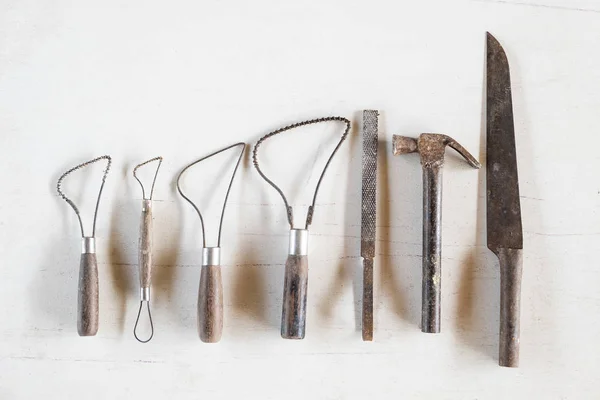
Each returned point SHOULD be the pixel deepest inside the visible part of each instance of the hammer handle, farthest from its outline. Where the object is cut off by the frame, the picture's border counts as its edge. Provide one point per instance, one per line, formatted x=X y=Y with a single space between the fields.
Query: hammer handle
x=511 y=268
x=295 y=285
x=87 y=298
x=210 y=304
x=432 y=249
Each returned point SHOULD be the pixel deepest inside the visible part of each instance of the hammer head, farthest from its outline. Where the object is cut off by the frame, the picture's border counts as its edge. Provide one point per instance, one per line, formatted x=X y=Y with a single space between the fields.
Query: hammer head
x=404 y=145
x=431 y=147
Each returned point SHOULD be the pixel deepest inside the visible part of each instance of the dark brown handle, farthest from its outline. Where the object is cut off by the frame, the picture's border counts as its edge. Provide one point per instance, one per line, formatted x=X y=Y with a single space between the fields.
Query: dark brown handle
x=210 y=304
x=87 y=299
x=367 y=309
x=295 y=285
x=511 y=268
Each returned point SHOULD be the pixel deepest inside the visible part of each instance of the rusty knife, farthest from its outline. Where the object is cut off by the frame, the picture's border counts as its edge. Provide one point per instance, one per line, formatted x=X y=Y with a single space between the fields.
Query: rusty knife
x=368 y=216
x=504 y=228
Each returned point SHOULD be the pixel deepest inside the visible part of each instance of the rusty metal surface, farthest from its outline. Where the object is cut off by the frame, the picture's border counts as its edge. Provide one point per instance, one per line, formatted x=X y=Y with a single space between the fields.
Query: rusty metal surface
x=511 y=270
x=369 y=184
x=431 y=148
x=504 y=228
x=368 y=216
x=432 y=249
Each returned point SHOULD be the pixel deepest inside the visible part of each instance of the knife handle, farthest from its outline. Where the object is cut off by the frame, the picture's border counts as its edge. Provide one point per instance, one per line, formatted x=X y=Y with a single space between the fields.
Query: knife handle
x=511 y=268
x=87 y=297
x=210 y=297
x=367 y=309
x=293 y=318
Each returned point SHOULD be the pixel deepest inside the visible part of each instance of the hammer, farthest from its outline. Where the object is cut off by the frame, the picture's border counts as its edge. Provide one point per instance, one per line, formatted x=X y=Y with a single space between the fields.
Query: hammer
x=431 y=147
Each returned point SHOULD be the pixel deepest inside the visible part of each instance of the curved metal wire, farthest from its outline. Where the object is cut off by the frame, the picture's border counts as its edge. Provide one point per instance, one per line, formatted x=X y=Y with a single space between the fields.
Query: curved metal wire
x=226 y=195
x=72 y=204
x=138 y=320
x=160 y=160
x=311 y=208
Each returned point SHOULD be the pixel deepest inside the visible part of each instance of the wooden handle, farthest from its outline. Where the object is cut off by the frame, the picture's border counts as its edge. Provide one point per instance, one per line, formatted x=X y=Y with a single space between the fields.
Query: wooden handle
x=145 y=245
x=210 y=304
x=511 y=268
x=293 y=318
x=87 y=299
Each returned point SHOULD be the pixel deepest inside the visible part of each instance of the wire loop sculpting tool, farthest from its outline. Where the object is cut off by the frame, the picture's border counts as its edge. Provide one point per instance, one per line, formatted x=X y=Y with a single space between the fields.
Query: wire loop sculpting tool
x=210 y=294
x=293 y=319
x=145 y=248
x=87 y=298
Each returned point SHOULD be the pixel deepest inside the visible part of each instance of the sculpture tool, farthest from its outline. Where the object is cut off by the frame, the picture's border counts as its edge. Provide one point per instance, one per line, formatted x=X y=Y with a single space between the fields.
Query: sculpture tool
x=87 y=297
x=145 y=248
x=368 y=228
x=431 y=148
x=210 y=293
x=293 y=318
x=504 y=228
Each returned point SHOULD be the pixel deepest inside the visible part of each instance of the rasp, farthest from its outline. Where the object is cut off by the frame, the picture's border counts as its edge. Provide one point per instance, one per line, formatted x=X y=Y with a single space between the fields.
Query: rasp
x=504 y=229
x=368 y=216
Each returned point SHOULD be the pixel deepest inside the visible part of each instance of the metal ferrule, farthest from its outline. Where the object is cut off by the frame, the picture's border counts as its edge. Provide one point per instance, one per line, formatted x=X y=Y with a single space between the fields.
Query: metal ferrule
x=298 y=242
x=88 y=245
x=146 y=205
x=145 y=294
x=211 y=256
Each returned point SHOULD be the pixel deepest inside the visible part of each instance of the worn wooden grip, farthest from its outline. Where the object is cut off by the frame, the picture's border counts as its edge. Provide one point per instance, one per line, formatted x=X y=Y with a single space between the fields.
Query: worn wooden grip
x=87 y=299
x=295 y=285
x=210 y=304
x=145 y=245
x=511 y=268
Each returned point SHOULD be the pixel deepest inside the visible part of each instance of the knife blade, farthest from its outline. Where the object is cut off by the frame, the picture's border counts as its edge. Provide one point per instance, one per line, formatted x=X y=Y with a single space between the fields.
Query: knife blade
x=504 y=226
x=368 y=216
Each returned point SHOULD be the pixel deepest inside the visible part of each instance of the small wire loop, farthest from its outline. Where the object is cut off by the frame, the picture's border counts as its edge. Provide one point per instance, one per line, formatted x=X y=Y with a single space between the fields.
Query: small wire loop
x=138 y=320
x=160 y=160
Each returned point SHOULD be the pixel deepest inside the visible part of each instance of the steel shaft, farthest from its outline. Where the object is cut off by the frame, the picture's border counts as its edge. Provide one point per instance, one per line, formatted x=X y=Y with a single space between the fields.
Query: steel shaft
x=432 y=248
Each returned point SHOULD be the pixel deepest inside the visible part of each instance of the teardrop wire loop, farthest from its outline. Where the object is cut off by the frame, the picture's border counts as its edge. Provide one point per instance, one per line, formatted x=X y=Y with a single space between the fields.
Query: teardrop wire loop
x=72 y=204
x=243 y=145
x=311 y=208
x=137 y=320
x=149 y=198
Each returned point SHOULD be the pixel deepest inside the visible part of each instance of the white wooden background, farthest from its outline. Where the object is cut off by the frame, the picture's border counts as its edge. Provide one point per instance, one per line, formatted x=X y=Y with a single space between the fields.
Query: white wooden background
x=180 y=79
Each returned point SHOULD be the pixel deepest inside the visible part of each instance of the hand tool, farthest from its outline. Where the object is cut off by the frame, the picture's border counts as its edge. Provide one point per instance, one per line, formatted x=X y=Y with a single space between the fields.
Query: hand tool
x=504 y=229
x=145 y=248
x=210 y=293
x=368 y=216
x=295 y=285
x=431 y=147
x=87 y=296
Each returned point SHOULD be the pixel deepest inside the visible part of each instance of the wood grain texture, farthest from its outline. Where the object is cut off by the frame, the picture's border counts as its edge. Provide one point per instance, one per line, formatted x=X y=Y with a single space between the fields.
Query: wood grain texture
x=511 y=269
x=145 y=245
x=210 y=304
x=295 y=286
x=87 y=299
